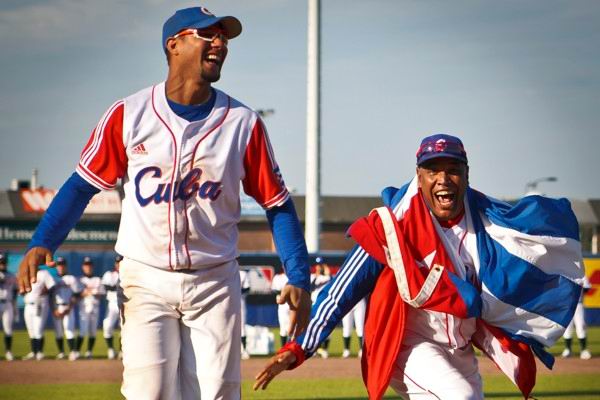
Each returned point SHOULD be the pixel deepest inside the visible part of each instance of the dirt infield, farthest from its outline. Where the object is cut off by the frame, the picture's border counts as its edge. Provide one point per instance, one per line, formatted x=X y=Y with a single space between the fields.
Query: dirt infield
x=98 y=371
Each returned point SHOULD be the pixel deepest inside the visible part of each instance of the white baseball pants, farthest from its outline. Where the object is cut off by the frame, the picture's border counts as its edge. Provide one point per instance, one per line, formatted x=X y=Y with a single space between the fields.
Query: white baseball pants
x=355 y=319
x=65 y=326
x=181 y=332
x=35 y=314
x=8 y=316
x=110 y=319
x=578 y=322
x=283 y=315
x=88 y=320
x=429 y=370
x=243 y=315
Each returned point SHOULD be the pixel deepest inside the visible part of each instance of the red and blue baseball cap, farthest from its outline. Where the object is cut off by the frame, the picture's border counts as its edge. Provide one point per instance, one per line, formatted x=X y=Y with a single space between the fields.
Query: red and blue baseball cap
x=441 y=145
x=198 y=17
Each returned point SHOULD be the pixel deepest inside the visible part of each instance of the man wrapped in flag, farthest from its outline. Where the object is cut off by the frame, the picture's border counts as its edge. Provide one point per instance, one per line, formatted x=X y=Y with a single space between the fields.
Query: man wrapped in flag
x=447 y=268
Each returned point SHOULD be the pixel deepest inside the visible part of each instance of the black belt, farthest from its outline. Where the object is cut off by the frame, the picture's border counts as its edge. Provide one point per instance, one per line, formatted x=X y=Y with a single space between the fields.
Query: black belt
x=2 y=301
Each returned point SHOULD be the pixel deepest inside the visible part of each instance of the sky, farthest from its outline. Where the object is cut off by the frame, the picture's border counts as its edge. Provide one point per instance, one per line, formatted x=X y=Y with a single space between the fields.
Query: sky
x=518 y=82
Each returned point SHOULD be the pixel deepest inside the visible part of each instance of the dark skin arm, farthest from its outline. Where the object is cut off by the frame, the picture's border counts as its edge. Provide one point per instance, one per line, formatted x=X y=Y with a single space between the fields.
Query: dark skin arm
x=277 y=364
x=28 y=268
x=299 y=301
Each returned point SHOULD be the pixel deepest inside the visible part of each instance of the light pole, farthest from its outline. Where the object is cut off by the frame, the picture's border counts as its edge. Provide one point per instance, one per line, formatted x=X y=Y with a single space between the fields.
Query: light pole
x=531 y=187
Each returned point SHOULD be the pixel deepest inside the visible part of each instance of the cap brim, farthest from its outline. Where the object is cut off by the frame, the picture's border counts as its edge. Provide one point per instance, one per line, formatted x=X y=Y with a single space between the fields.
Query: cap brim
x=232 y=25
x=433 y=156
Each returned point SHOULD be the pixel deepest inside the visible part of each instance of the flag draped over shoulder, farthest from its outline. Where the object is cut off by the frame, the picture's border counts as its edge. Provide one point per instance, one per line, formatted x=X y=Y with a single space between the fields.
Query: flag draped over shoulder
x=529 y=272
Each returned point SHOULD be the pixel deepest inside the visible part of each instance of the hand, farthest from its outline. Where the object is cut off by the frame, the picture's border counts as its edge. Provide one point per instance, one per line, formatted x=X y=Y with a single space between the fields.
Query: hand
x=28 y=268
x=299 y=301
x=57 y=314
x=277 y=364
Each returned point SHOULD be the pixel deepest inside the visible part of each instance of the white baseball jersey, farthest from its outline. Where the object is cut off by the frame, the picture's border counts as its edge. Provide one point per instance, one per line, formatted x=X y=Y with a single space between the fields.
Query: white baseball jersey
x=111 y=278
x=278 y=283
x=8 y=284
x=283 y=310
x=66 y=287
x=440 y=327
x=181 y=179
x=40 y=288
x=94 y=288
x=317 y=282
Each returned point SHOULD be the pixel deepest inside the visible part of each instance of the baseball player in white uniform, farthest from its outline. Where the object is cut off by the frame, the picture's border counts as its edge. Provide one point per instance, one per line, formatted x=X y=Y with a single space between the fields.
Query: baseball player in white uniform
x=8 y=291
x=318 y=280
x=283 y=310
x=89 y=308
x=64 y=297
x=577 y=324
x=36 y=313
x=110 y=281
x=355 y=319
x=182 y=150
x=245 y=284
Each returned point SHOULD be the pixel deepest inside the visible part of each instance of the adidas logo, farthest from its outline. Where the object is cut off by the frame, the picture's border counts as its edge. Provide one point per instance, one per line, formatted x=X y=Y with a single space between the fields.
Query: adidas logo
x=139 y=149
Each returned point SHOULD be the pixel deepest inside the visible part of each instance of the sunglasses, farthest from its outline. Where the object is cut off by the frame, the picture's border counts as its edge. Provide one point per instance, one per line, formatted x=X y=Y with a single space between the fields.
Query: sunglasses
x=439 y=147
x=208 y=35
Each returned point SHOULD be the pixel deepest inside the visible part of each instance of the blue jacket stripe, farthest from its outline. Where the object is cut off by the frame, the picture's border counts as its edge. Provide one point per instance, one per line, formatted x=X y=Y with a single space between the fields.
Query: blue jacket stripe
x=331 y=291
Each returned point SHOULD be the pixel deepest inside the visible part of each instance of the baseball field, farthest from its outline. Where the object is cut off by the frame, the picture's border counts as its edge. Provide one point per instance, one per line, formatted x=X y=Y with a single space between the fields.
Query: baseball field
x=332 y=378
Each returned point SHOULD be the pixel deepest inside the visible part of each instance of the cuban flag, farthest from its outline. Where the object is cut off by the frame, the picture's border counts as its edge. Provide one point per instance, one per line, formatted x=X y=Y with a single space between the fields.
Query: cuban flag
x=529 y=277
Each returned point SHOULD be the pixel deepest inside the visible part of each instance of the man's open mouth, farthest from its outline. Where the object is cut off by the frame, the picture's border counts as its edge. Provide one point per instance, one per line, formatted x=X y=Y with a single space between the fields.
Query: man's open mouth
x=445 y=197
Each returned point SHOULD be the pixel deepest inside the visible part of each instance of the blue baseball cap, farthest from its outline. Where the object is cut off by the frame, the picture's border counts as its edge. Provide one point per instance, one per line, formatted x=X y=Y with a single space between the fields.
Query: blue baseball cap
x=441 y=145
x=61 y=261
x=198 y=17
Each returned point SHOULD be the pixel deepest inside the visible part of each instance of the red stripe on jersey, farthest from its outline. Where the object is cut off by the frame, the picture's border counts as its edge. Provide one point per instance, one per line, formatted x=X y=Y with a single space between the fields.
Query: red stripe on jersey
x=211 y=130
x=172 y=174
x=262 y=180
x=103 y=159
x=93 y=143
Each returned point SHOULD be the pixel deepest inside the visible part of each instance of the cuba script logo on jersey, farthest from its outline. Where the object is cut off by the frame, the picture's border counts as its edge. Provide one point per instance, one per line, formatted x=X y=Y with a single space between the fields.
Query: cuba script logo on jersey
x=184 y=189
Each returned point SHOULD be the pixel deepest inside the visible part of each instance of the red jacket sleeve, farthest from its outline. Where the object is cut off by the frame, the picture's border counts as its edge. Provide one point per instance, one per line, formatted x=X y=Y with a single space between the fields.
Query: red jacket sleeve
x=103 y=159
x=262 y=179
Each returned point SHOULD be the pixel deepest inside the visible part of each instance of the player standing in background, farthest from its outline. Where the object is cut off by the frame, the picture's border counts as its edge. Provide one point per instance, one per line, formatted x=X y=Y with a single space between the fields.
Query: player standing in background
x=318 y=280
x=110 y=281
x=578 y=324
x=89 y=308
x=63 y=299
x=354 y=319
x=182 y=150
x=8 y=306
x=36 y=313
x=245 y=284
x=283 y=310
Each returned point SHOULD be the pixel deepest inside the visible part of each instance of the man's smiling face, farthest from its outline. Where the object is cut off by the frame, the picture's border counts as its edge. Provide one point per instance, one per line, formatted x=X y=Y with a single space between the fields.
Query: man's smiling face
x=443 y=182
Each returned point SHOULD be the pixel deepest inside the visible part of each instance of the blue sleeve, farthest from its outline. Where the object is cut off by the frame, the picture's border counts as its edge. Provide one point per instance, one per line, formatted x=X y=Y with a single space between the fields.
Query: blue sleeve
x=354 y=281
x=63 y=213
x=290 y=244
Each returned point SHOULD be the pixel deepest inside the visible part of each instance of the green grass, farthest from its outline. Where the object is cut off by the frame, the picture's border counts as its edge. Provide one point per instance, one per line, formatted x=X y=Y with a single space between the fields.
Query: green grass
x=497 y=387
x=560 y=387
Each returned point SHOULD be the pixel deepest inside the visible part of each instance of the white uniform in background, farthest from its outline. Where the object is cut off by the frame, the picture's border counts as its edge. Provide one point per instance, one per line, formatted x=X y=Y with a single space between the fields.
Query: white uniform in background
x=578 y=324
x=89 y=307
x=245 y=284
x=317 y=282
x=8 y=287
x=66 y=288
x=36 y=311
x=354 y=319
x=110 y=281
x=283 y=310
